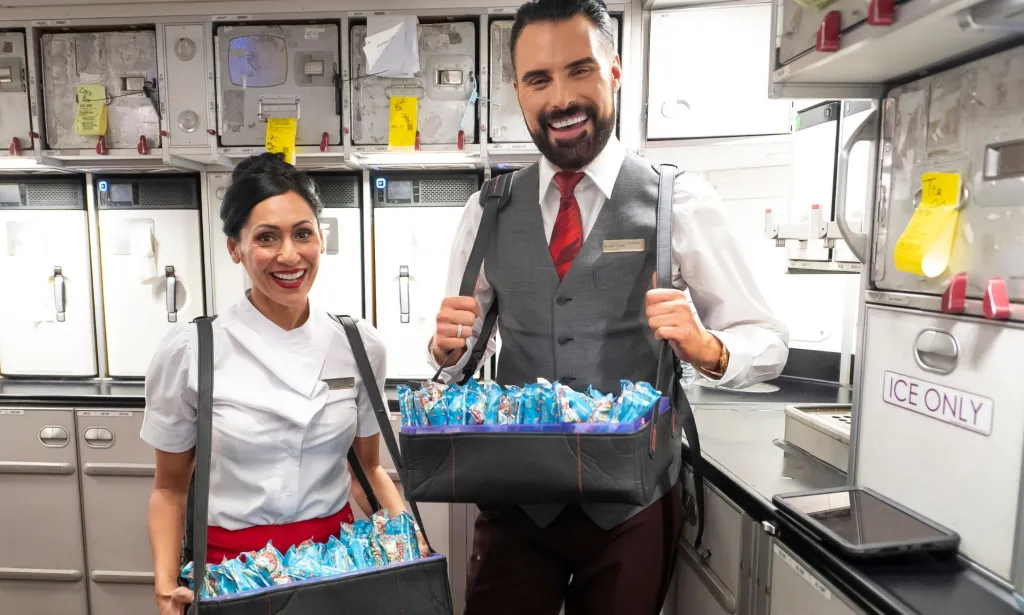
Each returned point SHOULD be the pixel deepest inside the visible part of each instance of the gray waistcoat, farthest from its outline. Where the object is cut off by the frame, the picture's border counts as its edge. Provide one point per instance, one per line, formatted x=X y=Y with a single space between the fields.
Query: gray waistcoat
x=591 y=327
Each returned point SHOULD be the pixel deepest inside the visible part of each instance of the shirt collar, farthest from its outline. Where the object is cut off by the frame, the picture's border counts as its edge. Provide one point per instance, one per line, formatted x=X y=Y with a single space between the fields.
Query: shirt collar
x=603 y=170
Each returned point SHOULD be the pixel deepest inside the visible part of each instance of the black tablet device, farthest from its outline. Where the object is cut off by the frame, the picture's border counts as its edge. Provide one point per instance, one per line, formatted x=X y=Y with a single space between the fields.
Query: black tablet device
x=863 y=523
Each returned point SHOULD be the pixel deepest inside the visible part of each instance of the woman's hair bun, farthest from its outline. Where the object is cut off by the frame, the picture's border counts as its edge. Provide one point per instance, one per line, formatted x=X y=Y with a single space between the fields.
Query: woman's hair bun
x=262 y=164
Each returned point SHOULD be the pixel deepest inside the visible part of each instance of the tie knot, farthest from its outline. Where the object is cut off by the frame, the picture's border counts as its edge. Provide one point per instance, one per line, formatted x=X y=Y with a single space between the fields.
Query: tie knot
x=567 y=182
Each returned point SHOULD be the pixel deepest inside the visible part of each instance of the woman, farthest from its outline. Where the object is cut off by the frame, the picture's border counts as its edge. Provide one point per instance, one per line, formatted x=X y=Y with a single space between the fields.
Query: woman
x=280 y=433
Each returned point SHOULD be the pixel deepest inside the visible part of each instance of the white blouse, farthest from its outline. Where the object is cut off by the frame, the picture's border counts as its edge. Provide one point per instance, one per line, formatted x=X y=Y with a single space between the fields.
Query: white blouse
x=280 y=434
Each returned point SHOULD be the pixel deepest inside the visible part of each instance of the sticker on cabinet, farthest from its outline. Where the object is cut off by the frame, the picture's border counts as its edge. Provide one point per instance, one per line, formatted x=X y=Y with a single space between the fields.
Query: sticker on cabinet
x=803 y=572
x=959 y=408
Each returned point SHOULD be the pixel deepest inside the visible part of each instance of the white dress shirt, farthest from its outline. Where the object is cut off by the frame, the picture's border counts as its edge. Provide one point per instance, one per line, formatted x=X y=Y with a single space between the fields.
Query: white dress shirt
x=706 y=259
x=280 y=436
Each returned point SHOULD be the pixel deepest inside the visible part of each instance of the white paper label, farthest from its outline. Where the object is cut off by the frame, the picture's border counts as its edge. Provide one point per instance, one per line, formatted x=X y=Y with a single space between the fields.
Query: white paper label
x=12 y=412
x=807 y=576
x=104 y=413
x=959 y=408
x=313 y=34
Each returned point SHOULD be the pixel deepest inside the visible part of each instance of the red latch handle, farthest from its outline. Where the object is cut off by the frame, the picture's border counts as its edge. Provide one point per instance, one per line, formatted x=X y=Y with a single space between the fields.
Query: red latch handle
x=954 y=299
x=417 y=140
x=462 y=139
x=15 y=148
x=324 y=142
x=101 y=146
x=143 y=145
x=997 y=302
x=828 y=32
x=881 y=12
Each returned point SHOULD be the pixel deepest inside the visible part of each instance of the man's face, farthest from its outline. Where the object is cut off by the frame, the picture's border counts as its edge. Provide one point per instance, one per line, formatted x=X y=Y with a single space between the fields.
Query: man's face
x=566 y=79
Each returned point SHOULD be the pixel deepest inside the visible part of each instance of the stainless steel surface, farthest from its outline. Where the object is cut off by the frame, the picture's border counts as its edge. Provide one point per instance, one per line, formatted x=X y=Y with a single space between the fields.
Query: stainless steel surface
x=798 y=589
x=121 y=62
x=441 y=107
x=821 y=431
x=14 y=100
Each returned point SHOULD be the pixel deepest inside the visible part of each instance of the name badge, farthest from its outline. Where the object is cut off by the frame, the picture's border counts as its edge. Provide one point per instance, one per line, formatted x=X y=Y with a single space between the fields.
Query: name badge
x=623 y=245
x=337 y=384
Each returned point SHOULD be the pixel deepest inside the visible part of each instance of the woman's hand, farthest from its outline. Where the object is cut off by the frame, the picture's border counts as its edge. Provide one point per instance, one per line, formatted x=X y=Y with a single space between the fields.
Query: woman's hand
x=175 y=602
x=424 y=549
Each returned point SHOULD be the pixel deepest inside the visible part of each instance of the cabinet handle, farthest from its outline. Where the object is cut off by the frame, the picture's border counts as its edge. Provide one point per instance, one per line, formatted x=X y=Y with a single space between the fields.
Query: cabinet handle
x=120 y=576
x=34 y=574
x=857 y=242
x=59 y=294
x=403 y=292
x=29 y=467
x=119 y=469
x=714 y=585
x=172 y=295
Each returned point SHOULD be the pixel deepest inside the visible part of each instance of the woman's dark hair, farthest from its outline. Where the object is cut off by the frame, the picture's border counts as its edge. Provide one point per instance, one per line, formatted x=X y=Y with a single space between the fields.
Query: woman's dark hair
x=536 y=11
x=257 y=179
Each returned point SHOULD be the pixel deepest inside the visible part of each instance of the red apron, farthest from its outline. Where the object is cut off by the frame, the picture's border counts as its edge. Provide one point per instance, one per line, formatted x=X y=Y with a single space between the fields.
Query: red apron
x=228 y=544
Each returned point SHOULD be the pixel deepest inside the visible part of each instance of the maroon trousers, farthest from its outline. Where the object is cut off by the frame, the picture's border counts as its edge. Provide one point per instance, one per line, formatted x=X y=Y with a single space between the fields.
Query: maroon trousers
x=518 y=568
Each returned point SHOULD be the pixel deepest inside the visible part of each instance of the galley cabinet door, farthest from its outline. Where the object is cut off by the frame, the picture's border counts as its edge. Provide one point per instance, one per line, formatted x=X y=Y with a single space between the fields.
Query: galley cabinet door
x=15 y=118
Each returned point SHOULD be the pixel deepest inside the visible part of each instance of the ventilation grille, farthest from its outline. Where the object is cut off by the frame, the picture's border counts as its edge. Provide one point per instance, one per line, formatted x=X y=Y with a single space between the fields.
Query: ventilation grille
x=177 y=194
x=454 y=190
x=54 y=196
x=337 y=191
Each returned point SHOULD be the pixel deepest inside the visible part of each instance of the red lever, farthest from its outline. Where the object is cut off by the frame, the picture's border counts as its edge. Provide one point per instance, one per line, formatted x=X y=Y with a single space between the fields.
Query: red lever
x=211 y=131
x=462 y=139
x=417 y=140
x=954 y=299
x=324 y=141
x=163 y=133
x=881 y=12
x=101 y=146
x=997 y=303
x=34 y=134
x=143 y=145
x=828 y=32
x=15 y=148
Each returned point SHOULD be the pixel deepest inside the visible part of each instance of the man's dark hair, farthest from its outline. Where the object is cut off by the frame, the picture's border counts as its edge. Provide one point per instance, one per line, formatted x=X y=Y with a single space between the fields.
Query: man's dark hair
x=537 y=11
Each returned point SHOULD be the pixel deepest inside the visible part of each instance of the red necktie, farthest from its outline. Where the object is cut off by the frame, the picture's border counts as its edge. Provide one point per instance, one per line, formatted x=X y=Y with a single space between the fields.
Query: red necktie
x=567 y=236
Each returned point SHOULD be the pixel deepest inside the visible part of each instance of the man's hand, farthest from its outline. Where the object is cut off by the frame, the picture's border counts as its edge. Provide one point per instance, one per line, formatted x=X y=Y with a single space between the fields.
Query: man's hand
x=670 y=317
x=455 y=311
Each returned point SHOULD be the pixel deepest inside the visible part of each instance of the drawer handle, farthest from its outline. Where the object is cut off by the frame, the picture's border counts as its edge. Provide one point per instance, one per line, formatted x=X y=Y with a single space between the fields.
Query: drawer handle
x=123 y=577
x=54 y=437
x=119 y=469
x=714 y=585
x=28 y=467
x=34 y=574
x=936 y=351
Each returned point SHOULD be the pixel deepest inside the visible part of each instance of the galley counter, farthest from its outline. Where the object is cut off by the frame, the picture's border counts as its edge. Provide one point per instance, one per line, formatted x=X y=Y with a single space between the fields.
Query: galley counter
x=73 y=449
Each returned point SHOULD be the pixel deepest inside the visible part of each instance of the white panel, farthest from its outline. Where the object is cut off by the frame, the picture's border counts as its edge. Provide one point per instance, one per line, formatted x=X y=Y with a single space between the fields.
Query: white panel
x=229 y=279
x=188 y=98
x=815 y=145
x=712 y=154
x=15 y=120
x=506 y=117
x=32 y=341
x=923 y=461
x=135 y=287
x=121 y=62
x=707 y=76
x=338 y=286
x=276 y=71
x=400 y=241
x=443 y=47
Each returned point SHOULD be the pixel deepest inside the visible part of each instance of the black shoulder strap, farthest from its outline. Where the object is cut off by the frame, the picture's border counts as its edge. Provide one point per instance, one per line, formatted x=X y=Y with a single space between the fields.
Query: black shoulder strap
x=494 y=195
x=669 y=369
x=380 y=410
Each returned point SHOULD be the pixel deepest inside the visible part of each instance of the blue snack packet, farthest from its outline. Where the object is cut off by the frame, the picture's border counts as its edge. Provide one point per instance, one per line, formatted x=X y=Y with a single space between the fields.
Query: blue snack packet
x=529 y=409
x=547 y=402
x=269 y=563
x=637 y=401
x=218 y=582
x=379 y=521
x=619 y=409
x=455 y=403
x=493 y=394
x=336 y=556
x=302 y=561
x=358 y=547
x=603 y=405
x=244 y=578
x=508 y=406
x=407 y=406
x=399 y=540
x=367 y=539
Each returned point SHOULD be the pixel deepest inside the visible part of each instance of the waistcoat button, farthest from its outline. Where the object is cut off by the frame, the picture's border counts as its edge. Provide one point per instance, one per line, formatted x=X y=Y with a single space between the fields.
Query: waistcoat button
x=562 y=341
x=563 y=300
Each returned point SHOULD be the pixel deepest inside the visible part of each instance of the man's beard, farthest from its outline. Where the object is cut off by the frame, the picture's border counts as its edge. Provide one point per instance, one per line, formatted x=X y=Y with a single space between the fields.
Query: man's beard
x=579 y=151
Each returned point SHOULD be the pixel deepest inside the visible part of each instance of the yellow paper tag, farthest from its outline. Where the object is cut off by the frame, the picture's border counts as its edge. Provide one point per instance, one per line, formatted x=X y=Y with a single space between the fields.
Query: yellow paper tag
x=91 y=116
x=402 y=132
x=281 y=137
x=924 y=247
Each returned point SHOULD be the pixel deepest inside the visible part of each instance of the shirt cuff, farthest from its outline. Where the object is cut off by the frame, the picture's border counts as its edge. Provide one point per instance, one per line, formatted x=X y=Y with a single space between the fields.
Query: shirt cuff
x=450 y=371
x=739 y=358
x=165 y=438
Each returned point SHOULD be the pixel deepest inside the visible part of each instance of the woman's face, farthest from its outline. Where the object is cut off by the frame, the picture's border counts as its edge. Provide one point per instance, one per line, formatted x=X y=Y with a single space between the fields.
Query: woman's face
x=280 y=247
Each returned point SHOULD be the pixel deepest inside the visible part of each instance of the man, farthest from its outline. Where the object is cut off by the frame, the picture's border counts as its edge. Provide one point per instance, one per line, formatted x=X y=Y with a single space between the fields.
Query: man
x=575 y=311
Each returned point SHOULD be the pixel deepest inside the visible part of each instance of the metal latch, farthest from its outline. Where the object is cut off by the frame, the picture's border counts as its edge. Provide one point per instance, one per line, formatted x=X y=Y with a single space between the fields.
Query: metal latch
x=6 y=75
x=449 y=77
x=313 y=68
x=133 y=84
x=53 y=437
